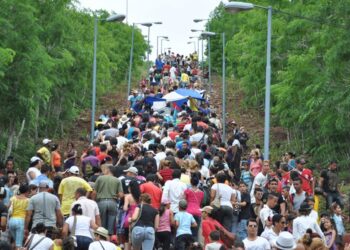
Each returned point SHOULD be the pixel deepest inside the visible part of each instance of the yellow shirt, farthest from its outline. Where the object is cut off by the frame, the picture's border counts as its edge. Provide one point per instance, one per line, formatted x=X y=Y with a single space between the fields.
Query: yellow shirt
x=45 y=154
x=184 y=77
x=67 y=190
x=19 y=207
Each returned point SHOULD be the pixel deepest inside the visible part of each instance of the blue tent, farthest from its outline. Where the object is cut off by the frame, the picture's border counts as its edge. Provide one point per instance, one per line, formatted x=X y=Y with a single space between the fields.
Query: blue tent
x=190 y=93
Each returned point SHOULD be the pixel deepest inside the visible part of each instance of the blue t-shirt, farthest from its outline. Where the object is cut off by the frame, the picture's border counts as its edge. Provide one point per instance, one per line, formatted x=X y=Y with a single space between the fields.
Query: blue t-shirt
x=185 y=220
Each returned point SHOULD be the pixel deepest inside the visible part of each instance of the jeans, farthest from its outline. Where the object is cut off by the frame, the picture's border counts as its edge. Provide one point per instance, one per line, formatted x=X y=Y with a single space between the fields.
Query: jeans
x=16 y=226
x=242 y=229
x=183 y=241
x=234 y=226
x=83 y=242
x=334 y=197
x=142 y=237
x=108 y=212
x=195 y=229
x=226 y=217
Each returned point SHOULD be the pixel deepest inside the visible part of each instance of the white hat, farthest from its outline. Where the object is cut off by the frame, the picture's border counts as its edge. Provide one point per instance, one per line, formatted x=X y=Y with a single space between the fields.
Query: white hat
x=46 y=141
x=132 y=170
x=34 y=159
x=124 y=119
x=285 y=241
x=73 y=170
x=102 y=231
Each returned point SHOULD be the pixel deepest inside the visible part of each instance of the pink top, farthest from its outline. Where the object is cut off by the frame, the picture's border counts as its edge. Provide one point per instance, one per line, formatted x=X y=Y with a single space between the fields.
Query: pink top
x=194 y=200
x=164 y=222
x=256 y=166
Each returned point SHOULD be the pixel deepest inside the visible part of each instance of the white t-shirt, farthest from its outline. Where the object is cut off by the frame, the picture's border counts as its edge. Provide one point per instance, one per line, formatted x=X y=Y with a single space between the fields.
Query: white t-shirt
x=96 y=245
x=258 y=244
x=198 y=137
x=173 y=72
x=270 y=235
x=45 y=244
x=260 y=180
x=121 y=141
x=265 y=213
x=35 y=171
x=225 y=192
x=82 y=225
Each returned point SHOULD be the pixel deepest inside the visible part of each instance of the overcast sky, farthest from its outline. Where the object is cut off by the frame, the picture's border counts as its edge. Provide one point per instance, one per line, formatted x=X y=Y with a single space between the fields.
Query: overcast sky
x=177 y=17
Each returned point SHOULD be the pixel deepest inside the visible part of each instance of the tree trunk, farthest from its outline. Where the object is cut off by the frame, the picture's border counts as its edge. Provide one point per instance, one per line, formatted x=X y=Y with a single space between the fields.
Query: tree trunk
x=20 y=133
x=10 y=140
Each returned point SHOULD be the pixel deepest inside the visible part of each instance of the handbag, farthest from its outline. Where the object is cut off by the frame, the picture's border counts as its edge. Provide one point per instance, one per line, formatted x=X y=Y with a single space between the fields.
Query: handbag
x=216 y=202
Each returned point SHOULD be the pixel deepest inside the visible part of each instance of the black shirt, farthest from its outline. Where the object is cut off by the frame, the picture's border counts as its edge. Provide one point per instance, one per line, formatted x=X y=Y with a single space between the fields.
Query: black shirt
x=148 y=214
x=277 y=208
x=245 y=211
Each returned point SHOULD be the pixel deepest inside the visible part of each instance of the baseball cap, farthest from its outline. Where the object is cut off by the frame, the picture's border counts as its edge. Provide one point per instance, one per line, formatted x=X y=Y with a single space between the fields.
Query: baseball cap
x=43 y=184
x=73 y=170
x=132 y=170
x=207 y=209
x=46 y=141
x=34 y=159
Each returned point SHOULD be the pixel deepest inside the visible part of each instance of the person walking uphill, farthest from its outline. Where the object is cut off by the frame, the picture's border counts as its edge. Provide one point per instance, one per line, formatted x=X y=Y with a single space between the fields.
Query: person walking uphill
x=68 y=186
x=144 y=221
x=107 y=190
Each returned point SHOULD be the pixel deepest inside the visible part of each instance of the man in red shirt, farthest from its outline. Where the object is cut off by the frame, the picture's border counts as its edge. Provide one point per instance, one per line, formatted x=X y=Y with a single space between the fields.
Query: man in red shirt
x=154 y=191
x=305 y=174
x=285 y=176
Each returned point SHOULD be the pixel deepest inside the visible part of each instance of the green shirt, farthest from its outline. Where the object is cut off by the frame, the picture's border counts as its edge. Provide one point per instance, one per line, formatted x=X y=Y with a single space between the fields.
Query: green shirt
x=107 y=187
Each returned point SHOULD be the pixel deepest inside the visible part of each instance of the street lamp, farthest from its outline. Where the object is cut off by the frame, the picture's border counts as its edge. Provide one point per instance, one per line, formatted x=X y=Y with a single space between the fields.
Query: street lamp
x=149 y=25
x=165 y=49
x=235 y=7
x=112 y=18
x=194 y=44
x=161 y=43
x=157 y=43
x=132 y=51
x=209 y=34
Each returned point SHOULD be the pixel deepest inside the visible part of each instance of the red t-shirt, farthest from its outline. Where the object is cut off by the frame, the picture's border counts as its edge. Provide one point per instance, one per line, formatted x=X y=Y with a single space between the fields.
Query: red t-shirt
x=208 y=225
x=154 y=191
x=173 y=135
x=306 y=178
x=167 y=174
x=286 y=179
x=101 y=156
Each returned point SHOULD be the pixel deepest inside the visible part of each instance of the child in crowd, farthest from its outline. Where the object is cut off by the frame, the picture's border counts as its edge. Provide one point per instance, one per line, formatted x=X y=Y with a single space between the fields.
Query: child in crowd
x=166 y=219
x=330 y=233
x=214 y=238
x=338 y=217
x=245 y=175
x=183 y=223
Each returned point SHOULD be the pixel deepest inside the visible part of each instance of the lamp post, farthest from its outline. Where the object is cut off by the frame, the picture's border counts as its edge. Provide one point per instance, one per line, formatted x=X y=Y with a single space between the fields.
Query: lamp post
x=157 y=43
x=161 y=43
x=191 y=37
x=198 y=20
x=236 y=7
x=194 y=44
x=132 y=51
x=195 y=30
x=206 y=35
x=113 y=18
x=149 y=25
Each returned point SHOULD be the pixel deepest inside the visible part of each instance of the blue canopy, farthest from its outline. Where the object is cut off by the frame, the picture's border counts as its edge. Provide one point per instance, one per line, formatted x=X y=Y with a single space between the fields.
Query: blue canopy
x=190 y=93
x=151 y=99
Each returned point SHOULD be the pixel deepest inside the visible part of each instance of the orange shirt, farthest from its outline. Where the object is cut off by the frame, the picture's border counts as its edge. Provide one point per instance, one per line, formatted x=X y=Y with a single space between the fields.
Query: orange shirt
x=56 y=159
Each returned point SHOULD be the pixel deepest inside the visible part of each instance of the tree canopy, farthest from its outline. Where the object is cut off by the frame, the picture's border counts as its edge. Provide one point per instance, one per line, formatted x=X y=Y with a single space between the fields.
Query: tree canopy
x=310 y=68
x=46 y=54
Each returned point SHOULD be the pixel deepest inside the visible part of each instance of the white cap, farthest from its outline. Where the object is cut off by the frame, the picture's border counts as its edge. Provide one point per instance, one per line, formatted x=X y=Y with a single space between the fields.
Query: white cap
x=34 y=159
x=132 y=170
x=46 y=141
x=73 y=170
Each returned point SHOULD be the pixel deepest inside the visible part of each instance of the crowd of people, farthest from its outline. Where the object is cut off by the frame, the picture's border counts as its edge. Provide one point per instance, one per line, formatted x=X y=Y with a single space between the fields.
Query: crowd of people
x=165 y=180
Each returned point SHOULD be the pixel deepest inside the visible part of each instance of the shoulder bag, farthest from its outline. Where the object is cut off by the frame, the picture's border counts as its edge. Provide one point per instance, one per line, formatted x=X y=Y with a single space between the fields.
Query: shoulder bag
x=133 y=224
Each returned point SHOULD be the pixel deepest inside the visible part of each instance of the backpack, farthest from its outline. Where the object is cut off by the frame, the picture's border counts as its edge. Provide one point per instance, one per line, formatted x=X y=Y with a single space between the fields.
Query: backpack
x=206 y=198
